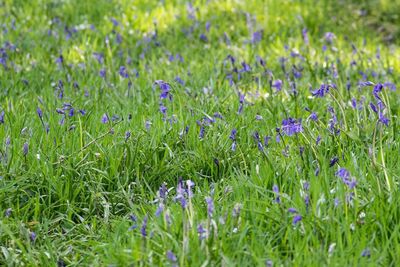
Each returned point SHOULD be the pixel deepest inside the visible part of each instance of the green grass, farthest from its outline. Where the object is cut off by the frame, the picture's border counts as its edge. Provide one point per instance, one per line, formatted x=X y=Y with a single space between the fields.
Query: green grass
x=78 y=183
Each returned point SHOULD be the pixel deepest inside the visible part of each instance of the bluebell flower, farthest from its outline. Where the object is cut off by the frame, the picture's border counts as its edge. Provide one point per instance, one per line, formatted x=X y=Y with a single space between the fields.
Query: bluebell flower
x=296 y=219
x=210 y=207
x=275 y=189
x=233 y=134
x=277 y=84
x=25 y=149
x=104 y=118
x=291 y=126
x=2 y=117
x=143 y=229
x=171 y=256
x=123 y=72
x=201 y=231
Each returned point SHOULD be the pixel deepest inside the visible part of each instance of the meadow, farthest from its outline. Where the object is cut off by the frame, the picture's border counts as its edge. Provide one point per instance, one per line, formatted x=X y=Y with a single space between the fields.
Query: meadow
x=203 y=133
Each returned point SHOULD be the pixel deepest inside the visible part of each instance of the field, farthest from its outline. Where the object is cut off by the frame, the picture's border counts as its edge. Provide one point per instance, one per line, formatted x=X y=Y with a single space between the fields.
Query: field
x=204 y=133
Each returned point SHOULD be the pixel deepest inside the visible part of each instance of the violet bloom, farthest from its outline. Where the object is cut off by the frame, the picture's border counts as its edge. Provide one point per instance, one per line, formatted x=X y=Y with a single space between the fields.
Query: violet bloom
x=333 y=161
x=322 y=91
x=305 y=36
x=127 y=135
x=134 y=220
x=210 y=207
x=292 y=210
x=40 y=113
x=277 y=84
x=165 y=89
x=383 y=119
x=346 y=178
x=296 y=219
x=329 y=36
x=102 y=73
x=7 y=213
x=291 y=126
x=233 y=134
x=32 y=236
x=25 y=149
x=143 y=229
x=257 y=37
x=366 y=253
x=275 y=188
x=171 y=256
x=2 y=117
x=201 y=231
x=123 y=72
x=104 y=118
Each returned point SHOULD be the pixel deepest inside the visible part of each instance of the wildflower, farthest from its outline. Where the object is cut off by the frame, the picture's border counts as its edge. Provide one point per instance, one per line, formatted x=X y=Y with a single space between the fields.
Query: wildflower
x=366 y=253
x=383 y=119
x=7 y=213
x=233 y=134
x=277 y=195
x=291 y=126
x=277 y=84
x=329 y=36
x=32 y=236
x=134 y=220
x=322 y=91
x=210 y=206
x=297 y=218
x=171 y=256
x=333 y=161
x=257 y=37
x=305 y=36
x=143 y=229
x=39 y=112
x=123 y=72
x=201 y=231
x=292 y=210
x=345 y=175
x=102 y=73
x=2 y=117
x=104 y=118
x=25 y=149
x=127 y=135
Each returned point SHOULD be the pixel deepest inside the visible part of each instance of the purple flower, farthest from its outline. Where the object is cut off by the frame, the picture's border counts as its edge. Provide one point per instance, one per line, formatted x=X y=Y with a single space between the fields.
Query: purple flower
x=143 y=229
x=322 y=91
x=257 y=37
x=277 y=84
x=7 y=213
x=102 y=73
x=373 y=107
x=275 y=188
x=292 y=210
x=291 y=126
x=171 y=256
x=163 y=109
x=313 y=116
x=25 y=149
x=165 y=89
x=346 y=178
x=202 y=132
x=134 y=220
x=233 y=134
x=123 y=72
x=127 y=135
x=32 y=236
x=201 y=231
x=2 y=117
x=39 y=112
x=305 y=36
x=203 y=37
x=297 y=218
x=104 y=118
x=329 y=36
x=333 y=161
x=366 y=253
x=210 y=207
x=383 y=119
